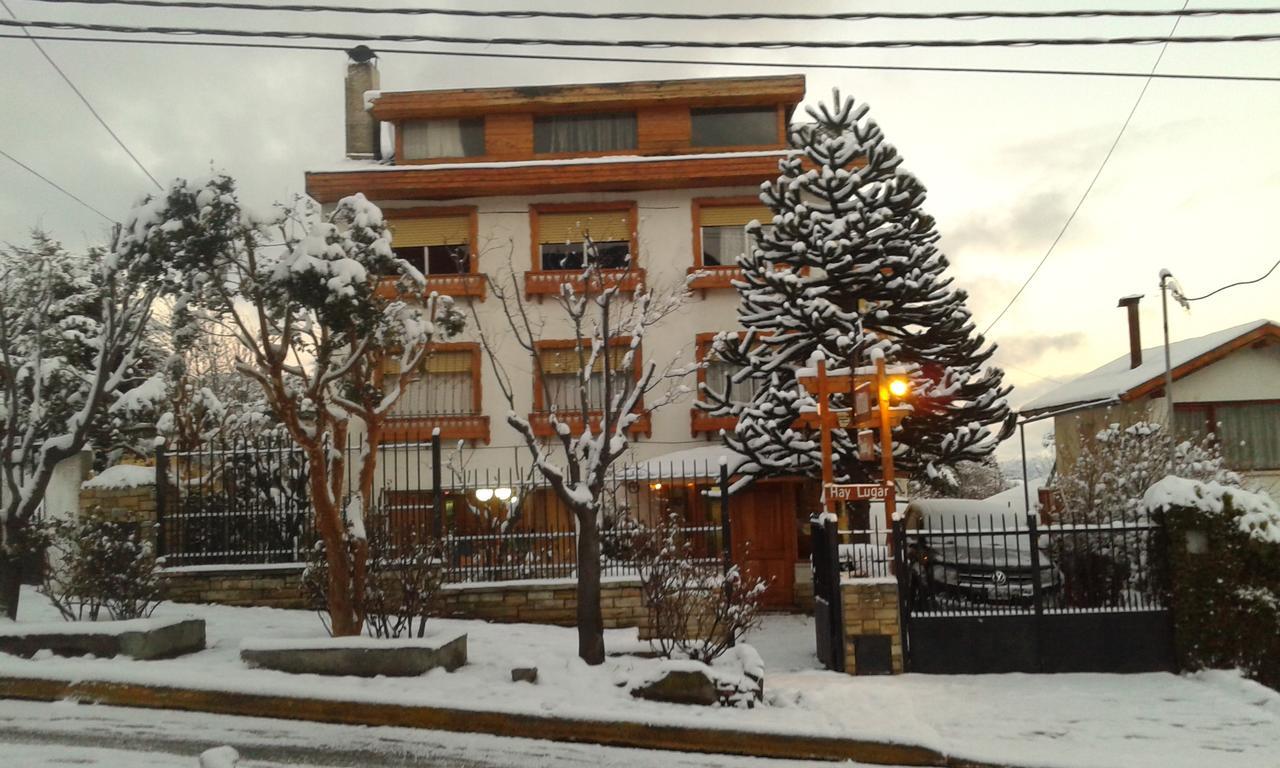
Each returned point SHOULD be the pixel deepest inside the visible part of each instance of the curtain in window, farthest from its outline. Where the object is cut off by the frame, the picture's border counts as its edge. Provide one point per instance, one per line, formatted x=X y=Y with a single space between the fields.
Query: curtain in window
x=433 y=138
x=718 y=372
x=584 y=133
x=561 y=371
x=1250 y=434
x=721 y=246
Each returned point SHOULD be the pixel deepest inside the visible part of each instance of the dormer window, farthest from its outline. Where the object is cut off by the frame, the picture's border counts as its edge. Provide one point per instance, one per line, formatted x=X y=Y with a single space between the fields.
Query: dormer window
x=426 y=139
x=736 y=127
x=584 y=133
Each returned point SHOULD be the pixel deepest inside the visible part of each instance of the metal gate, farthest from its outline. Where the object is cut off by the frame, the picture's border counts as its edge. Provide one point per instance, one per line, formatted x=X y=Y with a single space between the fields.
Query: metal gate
x=992 y=594
x=828 y=618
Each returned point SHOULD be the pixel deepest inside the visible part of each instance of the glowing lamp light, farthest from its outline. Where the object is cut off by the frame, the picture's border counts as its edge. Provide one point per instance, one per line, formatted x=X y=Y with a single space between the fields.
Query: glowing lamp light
x=656 y=486
x=484 y=494
x=898 y=387
x=502 y=493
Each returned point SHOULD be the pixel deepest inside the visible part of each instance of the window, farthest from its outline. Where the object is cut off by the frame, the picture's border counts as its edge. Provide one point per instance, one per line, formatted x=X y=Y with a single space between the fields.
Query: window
x=1248 y=432
x=718 y=371
x=722 y=230
x=561 y=368
x=562 y=238
x=584 y=133
x=424 y=139
x=435 y=245
x=739 y=127
x=449 y=384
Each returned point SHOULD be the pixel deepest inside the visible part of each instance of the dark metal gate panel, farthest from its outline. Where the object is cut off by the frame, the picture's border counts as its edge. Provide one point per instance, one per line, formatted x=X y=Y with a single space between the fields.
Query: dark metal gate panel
x=828 y=617
x=987 y=597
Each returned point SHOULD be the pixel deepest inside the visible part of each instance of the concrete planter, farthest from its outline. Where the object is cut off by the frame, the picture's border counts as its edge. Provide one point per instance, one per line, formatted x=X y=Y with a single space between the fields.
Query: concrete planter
x=358 y=656
x=136 y=638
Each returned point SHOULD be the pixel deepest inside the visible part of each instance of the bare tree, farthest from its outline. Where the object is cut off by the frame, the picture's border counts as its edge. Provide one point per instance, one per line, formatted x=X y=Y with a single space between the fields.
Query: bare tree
x=71 y=329
x=304 y=297
x=589 y=424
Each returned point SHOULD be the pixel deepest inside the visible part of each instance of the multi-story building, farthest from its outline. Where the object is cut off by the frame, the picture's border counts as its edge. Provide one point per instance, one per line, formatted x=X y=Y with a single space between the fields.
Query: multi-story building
x=495 y=181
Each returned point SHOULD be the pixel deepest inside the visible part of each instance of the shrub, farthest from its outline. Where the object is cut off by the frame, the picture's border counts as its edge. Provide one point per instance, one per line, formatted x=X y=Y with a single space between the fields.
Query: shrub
x=698 y=611
x=95 y=566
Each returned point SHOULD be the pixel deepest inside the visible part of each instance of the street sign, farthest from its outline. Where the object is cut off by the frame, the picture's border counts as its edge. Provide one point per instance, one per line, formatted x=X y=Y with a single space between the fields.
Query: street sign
x=866 y=445
x=857 y=492
x=869 y=419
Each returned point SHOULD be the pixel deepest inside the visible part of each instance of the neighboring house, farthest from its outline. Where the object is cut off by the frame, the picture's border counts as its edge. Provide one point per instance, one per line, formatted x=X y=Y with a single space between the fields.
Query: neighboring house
x=1226 y=383
x=479 y=181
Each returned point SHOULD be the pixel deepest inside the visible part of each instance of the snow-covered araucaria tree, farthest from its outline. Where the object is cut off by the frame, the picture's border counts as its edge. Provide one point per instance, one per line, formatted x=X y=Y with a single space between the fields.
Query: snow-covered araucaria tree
x=601 y=388
x=72 y=330
x=305 y=298
x=850 y=265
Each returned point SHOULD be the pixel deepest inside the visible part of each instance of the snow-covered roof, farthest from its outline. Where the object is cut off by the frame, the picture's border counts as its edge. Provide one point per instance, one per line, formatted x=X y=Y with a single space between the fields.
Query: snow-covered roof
x=703 y=461
x=1013 y=498
x=1112 y=381
x=361 y=166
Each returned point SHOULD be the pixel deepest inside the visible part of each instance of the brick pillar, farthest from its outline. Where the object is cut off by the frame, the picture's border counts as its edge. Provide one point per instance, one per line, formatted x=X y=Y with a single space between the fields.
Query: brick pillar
x=871 y=608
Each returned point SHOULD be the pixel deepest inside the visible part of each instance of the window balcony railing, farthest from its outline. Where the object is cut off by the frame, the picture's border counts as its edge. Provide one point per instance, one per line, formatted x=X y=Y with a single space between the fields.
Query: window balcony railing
x=701 y=422
x=452 y=427
x=547 y=283
x=713 y=278
x=541 y=423
x=462 y=285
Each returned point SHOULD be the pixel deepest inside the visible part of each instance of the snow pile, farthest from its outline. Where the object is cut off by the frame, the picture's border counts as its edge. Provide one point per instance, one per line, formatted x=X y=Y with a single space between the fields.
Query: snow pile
x=432 y=640
x=220 y=757
x=1257 y=514
x=122 y=476
x=105 y=627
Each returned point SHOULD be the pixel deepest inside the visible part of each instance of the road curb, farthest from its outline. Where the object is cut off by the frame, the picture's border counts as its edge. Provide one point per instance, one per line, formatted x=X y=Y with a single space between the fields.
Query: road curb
x=605 y=733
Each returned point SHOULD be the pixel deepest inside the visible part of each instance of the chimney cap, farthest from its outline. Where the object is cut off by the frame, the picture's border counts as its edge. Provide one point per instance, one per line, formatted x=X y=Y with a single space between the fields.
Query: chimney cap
x=1130 y=300
x=361 y=54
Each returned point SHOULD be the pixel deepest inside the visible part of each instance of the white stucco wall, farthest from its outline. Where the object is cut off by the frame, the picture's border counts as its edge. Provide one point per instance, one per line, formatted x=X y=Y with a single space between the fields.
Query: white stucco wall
x=665 y=236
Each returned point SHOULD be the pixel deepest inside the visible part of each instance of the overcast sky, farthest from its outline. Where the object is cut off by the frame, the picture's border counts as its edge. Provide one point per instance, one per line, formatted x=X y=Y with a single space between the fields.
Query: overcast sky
x=1194 y=185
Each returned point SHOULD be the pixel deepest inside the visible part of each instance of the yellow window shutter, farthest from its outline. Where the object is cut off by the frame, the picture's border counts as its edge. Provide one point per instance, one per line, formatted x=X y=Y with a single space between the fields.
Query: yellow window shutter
x=561 y=362
x=604 y=227
x=449 y=362
x=433 y=230
x=733 y=215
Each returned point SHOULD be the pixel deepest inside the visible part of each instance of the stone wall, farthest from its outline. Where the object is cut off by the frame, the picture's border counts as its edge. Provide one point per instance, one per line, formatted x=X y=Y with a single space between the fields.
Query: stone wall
x=121 y=505
x=871 y=608
x=271 y=587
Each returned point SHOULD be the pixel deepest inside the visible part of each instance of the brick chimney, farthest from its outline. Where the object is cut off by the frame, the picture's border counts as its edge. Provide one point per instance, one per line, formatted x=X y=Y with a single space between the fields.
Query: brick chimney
x=363 y=140
x=1135 y=329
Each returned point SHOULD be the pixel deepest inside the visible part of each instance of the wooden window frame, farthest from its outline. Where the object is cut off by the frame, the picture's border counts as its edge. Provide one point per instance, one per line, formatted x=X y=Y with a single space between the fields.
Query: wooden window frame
x=704 y=278
x=471 y=283
x=700 y=421
x=473 y=426
x=540 y=419
x=780 y=135
x=540 y=282
x=399 y=142
x=1209 y=409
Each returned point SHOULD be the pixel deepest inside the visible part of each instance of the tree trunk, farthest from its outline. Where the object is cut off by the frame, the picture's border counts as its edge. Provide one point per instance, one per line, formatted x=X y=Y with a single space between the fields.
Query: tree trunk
x=10 y=583
x=590 y=620
x=342 y=615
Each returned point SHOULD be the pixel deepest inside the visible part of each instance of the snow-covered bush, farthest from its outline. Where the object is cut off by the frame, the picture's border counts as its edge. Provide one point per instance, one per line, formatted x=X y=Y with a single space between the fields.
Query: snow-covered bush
x=966 y=480
x=696 y=610
x=100 y=569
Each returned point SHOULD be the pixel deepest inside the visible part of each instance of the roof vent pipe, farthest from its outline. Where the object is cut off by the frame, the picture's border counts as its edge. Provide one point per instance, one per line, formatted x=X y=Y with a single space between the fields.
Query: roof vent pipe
x=363 y=131
x=1135 y=329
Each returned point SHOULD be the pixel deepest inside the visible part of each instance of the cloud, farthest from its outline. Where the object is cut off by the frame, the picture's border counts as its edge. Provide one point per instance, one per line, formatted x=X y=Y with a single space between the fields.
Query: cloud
x=1020 y=350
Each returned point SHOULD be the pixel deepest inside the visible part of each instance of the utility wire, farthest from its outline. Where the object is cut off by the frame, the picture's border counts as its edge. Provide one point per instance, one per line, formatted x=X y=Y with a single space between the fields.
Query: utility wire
x=644 y=60
x=77 y=92
x=580 y=42
x=53 y=184
x=677 y=16
x=1265 y=275
x=1080 y=204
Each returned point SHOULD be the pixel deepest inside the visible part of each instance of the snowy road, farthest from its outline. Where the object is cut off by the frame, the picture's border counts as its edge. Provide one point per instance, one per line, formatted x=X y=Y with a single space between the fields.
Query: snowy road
x=40 y=735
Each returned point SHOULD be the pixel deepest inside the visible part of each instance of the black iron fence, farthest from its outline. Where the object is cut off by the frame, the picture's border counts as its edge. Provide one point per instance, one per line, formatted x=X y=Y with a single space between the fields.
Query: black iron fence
x=248 y=504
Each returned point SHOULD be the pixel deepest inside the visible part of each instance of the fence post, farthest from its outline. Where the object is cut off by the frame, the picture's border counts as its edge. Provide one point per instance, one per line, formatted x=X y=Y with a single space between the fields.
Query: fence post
x=437 y=492
x=904 y=590
x=726 y=530
x=1036 y=595
x=161 y=488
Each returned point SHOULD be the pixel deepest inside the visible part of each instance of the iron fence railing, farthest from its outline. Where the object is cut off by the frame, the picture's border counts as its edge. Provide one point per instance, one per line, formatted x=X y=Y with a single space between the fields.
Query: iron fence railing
x=248 y=504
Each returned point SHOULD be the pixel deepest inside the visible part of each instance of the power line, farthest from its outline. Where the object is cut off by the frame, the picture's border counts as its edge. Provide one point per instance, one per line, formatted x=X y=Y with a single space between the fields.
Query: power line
x=77 y=92
x=53 y=184
x=1264 y=276
x=1010 y=42
x=678 y=16
x=645 y=60
x=1080 y=204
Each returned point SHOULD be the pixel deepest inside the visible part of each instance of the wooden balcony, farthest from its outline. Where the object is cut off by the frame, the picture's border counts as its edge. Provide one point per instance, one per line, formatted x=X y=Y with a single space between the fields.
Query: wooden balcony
x=541 y=423
x=703 y=423
x=470 y=285
x=548 y=283
x=452 y=427
x=713 y=278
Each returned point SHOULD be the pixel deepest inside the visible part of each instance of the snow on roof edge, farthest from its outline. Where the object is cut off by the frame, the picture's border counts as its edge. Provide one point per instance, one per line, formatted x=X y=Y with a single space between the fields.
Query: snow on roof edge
x=360 y=166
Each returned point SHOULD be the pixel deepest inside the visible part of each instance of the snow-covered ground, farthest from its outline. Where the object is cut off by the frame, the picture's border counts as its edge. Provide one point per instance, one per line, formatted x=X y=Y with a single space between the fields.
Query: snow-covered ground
x=1153 y=720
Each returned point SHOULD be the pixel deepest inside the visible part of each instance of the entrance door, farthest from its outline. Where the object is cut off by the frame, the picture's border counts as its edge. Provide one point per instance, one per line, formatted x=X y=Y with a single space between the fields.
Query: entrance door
x=764 y=539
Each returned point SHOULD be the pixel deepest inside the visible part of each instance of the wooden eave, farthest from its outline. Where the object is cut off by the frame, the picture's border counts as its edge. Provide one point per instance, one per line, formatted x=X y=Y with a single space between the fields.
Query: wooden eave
x=1261 y=336
x=475 y=102
x=467 y=181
